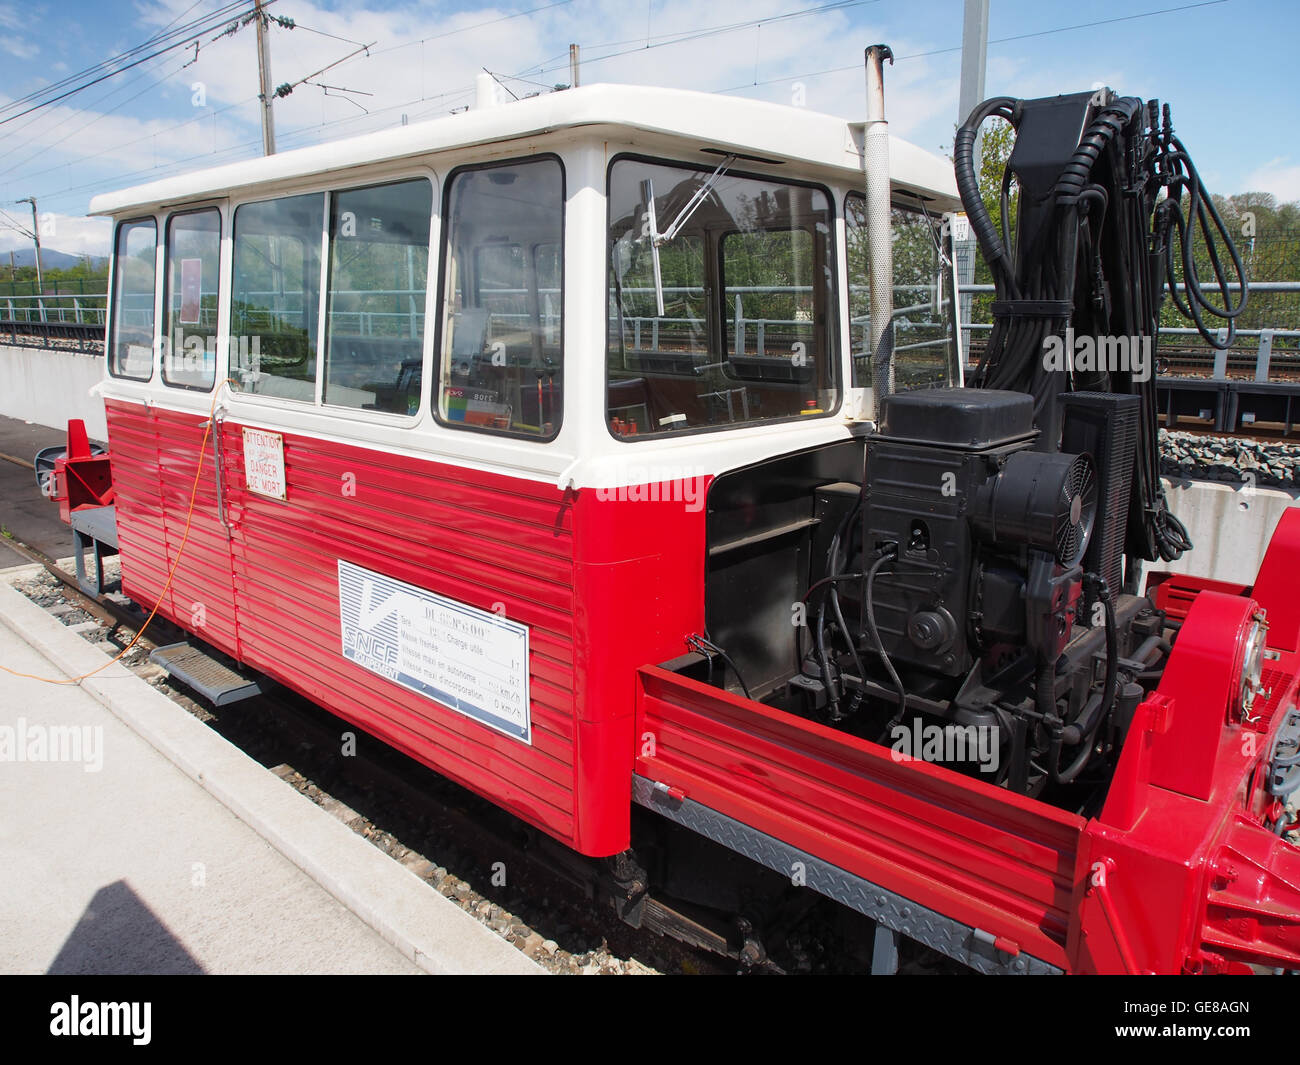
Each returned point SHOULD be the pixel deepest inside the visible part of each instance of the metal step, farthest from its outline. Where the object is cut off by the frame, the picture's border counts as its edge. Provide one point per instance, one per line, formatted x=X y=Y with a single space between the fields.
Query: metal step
x=209 y=673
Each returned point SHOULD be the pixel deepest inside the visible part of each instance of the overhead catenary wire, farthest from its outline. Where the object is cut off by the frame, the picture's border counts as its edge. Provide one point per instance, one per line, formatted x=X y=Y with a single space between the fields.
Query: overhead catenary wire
x=303 y=134
x=996 y=40
x=34 y=102
x=105 y=64
x=663 y=41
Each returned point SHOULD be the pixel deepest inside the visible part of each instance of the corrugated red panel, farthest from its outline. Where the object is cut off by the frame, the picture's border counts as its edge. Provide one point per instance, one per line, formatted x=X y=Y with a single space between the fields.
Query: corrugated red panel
x=979 y=854
x=270 y=596
x=133 y=445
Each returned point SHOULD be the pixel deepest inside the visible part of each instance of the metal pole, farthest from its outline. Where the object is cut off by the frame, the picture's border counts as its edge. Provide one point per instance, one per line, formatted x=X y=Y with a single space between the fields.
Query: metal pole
x=573 y=66
x=875 y=166
x=36 y=236
x=264 y=80
x=974 y=58
x=1264 y=354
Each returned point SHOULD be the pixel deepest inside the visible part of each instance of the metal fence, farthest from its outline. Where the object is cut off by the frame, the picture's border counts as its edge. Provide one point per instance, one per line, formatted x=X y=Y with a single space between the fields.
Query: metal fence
x=72 y=315
x=1253 y=357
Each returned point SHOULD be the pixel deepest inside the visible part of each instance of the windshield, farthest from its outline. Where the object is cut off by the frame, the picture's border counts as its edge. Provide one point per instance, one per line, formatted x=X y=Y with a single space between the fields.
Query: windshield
x=748 y=299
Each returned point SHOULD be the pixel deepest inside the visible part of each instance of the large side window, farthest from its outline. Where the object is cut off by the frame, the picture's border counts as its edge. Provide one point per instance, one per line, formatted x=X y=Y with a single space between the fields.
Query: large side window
x=925 y=337
x=502 y=363
x=725 y=319
x=275 y=296
x=379 y=266
x=190 y=299
x=130 y=352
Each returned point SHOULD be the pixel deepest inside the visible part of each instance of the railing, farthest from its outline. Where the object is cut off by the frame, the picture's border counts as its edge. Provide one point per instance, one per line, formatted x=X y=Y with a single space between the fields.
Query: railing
x=80 y=316
x=1264 y=338
x=86 y=308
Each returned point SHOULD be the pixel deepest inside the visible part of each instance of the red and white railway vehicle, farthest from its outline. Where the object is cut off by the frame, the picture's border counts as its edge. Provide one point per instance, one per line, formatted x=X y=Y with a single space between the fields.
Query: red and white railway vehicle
x=528 y=440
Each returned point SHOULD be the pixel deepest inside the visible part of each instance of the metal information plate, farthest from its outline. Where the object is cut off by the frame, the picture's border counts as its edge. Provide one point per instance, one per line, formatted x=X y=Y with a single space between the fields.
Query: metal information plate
x=470 y=660
x=264 y=463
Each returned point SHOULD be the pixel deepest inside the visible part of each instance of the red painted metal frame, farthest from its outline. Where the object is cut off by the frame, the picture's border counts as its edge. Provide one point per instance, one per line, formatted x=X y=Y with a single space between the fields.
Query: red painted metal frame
x=81 y=479
x=982 y=855
x=1178 y=873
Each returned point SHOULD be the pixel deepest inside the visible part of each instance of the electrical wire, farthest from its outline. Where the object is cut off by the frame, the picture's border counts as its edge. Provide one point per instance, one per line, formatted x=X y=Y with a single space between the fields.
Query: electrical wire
x=994 y=40
x=538 y=69
x=703 y=645
x=35 y=104
x=171 y=573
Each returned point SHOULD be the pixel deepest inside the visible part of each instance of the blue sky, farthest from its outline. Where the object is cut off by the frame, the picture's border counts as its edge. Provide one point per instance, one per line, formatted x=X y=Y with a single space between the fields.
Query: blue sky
x=1227 y=68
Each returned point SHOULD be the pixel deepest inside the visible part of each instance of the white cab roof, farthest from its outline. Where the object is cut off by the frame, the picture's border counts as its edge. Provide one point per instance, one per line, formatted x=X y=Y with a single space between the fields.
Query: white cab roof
x=790 y=134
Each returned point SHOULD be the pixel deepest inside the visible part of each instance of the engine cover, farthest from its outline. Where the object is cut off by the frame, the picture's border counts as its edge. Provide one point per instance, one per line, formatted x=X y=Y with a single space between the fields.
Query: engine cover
x=953 y=482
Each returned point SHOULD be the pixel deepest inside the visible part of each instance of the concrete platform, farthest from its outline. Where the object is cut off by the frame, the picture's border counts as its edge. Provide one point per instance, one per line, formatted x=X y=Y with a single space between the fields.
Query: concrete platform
x=154 y=846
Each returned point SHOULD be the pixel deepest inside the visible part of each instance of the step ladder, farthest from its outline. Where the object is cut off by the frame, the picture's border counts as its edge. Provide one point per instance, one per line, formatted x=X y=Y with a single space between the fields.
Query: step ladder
x=210 y=673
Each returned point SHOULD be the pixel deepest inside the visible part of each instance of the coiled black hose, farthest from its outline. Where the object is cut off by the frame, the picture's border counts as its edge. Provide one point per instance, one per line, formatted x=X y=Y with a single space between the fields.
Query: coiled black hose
x=963 y=155
x=1107 y=251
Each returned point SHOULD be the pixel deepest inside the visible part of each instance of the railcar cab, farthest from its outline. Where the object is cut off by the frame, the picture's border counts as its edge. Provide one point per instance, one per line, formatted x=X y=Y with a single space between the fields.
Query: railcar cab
x=453 y=289
x=453 y=355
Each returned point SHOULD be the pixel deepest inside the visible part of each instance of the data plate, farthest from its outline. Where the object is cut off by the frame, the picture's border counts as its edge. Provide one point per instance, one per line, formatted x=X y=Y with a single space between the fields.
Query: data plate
x=470 y=660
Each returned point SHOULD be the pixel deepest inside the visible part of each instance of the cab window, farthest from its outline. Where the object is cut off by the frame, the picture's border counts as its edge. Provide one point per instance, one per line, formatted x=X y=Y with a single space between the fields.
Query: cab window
x=130 y=350
x=501 y=367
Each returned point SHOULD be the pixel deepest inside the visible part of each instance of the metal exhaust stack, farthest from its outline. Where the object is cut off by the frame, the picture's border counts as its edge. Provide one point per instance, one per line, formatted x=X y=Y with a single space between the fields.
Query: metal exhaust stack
x=485 y=92
x=875 y=169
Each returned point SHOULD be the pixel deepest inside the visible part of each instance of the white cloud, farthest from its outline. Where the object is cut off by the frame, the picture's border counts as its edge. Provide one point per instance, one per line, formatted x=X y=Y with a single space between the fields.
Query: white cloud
x=71 y=153
x=11 y=21
x=17 y=47
x=72 y=234
x=1279 y=176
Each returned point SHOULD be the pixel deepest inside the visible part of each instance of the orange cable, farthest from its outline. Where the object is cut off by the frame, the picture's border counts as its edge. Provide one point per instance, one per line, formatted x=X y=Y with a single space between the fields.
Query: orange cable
x=189 y=518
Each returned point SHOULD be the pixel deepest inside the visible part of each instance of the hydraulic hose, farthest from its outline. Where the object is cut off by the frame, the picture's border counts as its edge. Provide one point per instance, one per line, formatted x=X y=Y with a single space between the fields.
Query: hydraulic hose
x=1098 y=256
x=963 y=154
x=887 y=554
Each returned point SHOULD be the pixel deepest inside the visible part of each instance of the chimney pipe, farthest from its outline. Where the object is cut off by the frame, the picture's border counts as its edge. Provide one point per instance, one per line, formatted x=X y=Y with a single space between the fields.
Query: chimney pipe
x=875 y=169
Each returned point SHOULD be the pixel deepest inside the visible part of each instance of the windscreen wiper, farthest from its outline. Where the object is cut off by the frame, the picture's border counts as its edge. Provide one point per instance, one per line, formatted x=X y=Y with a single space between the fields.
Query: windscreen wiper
x=683 y=216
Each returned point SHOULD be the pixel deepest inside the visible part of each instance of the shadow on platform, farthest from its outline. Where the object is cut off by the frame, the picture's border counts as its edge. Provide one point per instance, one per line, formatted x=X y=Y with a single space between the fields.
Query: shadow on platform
x=118 y=935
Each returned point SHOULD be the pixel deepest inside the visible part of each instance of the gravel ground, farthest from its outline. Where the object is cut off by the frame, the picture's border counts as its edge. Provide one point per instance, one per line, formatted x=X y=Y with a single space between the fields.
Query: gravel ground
x=1272 y=463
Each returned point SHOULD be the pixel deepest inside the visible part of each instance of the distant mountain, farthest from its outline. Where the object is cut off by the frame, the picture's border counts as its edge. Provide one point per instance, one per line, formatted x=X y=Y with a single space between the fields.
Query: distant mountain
x=51 y=259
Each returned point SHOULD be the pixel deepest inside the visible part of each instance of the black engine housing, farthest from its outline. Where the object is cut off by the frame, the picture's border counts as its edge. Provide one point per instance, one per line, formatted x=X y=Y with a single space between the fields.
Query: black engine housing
x=987 y=531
